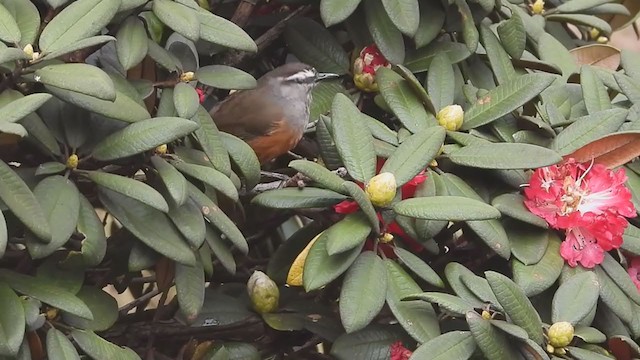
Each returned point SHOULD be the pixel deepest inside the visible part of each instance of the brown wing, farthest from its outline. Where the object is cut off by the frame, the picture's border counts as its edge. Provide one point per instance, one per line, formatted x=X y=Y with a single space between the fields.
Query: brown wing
x=279 y=141
x=246 y=114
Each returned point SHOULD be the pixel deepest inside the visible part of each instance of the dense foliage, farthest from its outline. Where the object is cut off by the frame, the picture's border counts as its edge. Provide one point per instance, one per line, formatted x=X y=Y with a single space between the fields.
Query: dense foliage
x=465 y=190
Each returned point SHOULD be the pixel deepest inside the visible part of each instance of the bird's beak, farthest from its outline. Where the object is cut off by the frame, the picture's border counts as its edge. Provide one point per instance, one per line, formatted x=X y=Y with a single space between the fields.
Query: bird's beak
x=326 y=76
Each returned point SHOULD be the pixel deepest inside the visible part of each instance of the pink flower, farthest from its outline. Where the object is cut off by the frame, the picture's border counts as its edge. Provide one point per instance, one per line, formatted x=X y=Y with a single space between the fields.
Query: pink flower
x=201 y=95
x=589 y=201
x=634 y=271
x=399 y=352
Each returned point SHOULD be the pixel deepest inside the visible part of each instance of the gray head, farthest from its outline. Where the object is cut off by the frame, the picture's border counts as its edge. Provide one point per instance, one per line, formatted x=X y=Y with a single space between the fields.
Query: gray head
x=304 y=76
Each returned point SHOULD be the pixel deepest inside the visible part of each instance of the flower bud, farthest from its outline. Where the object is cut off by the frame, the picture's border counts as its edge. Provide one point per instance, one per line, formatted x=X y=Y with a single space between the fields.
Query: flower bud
x=161 y=149
x=263 y=291
x=486 y=315
x=72 y=162
x=451 y=117
x=28 y=49
x=201 y=95
x=365 y=67
x=560 y=334
x=537 y=7
x=386 y=238
x=381 y=189
x=603 y=39
x=187 y=76
x=594 y=33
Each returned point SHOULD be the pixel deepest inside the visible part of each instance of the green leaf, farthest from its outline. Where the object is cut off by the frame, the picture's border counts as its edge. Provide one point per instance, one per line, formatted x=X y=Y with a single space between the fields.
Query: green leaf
x=371 y=343
x=163 y=57
x=504 y=156
x=441 y=81
x=505 y=98
x=4 y=235
x=528 y=244
x=18 y=109
x=594 y=92
x=578 y=6
x=354 y=143
x=12 y=321
x=451 y=303
x=190 y=289
x=320 y=268
x=225 y=77
x=55 y=275
x=123 y=108
x=469 y=31
x=188 y=219
x=631 y=238
x=173 y=180
x=322 y=95
x=516 y=304
x=551 y=50
x=458 y=345
x=185 y=100
x=575 y=298
x=142 y=136
x=59 y=347
x=212 y=143
x=79 y=20
x=27 y=18
x=94 y=244
x=81 y=78
x=534 y=279
x=513 y=35
x=296 y=198
x=78 y=45
x=583 y=354
x=178 y=17
x=404 y=14
x=346 y=234
x=149 y=225
x=620 y=276
x=452 y=208
x=491 y=342
x=384 y=33
x=588 y=128
x=132 y=43
x=432 y=18
x=99 y=348
x=130 y=188
x=209 y=176
x=337 y=11
x=60 y=201
x=363 y=291
x=589 y=335
x=418 y=267
x=318 y=174
x=416 y=317
x=313 y=44
x=514 y=331
x=420 y=60
x=363 y=201
x=500 y=62
x=221 y=250
x=103 y=306
x=400 y=97
x=513 y=206
x=220 y=31
x=9 y=30
x=41 y=290
x=10 y=55
x=244 y=157
x=218 y=218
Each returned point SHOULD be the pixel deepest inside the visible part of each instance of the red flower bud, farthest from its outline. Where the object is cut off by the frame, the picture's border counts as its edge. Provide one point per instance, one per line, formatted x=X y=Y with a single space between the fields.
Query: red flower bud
x=365 y=67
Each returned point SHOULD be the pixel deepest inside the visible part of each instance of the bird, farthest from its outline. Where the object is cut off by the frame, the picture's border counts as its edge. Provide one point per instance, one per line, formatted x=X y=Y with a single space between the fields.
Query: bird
x=272 y=116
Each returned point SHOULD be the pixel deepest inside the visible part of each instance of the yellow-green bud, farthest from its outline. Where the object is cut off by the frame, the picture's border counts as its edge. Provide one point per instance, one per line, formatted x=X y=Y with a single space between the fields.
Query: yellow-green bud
x=537 y=7
x=28 y=49
x=560 y=334
x=264 y=292
x=451 y=117
x=72 y=162
x=486 y=315
x=594 y=33
x=381 y=189
x=187 y=76
x=602 y=40
x=386 y=238
x=161 y=149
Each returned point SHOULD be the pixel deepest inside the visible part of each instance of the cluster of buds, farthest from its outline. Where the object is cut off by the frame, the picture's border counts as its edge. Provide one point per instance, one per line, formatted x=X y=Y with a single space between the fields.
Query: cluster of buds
x=28 y=49
x=365 y=67
x=187 y=76
x=537 y=7
x=72 y=162
x=594 y=33
x=451 y=117
x=559 y=336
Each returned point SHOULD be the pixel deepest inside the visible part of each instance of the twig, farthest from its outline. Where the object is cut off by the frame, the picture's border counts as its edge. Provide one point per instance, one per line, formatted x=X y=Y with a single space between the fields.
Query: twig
x=235 y=58
x=135 y=303
x=243 y=12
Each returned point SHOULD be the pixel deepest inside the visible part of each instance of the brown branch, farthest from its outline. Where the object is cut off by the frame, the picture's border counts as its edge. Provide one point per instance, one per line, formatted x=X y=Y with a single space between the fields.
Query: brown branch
x=243 y=12
x=235 y=58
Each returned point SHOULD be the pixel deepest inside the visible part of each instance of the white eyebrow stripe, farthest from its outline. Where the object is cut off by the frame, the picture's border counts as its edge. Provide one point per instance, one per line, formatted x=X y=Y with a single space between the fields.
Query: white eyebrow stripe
x=302 y=75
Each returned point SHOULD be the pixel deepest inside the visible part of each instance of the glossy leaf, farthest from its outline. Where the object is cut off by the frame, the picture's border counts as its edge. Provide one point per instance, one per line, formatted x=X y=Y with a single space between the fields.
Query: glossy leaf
x=103 y=306
x=12 y=321
x=99 y=348
x=78 y=21
x=336 y=11
x=513 y=35
x=489 y=339
x=588 y=128
x=142 y=136
x=451 y=303
x=94 y=244
x=383 y=31
x=575 y=298
x=132 y=43
x=190 y=289
x=178 y=17
x=319 y=174
x=218 y=30
x=418 y=267
x=363 y=291
x=244 y=157
x=504 y=156
x=505 y=98
x=27 y=17
x=209 y=176
x=131 y=188
x=536 y=278
x=320 y=268
x=404 y=14
x=401 y=98
x=225 y=77
x=347 y=233
x=513 y=206
x=452 y=208
x=298 y=198
x=458 y=345
x=173 y=180
x=59 y=347
x=313 y=44
x=354 y=144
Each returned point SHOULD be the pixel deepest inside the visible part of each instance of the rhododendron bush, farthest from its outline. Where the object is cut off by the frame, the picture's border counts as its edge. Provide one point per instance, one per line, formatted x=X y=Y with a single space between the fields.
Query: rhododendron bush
x=466 y=188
